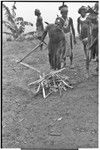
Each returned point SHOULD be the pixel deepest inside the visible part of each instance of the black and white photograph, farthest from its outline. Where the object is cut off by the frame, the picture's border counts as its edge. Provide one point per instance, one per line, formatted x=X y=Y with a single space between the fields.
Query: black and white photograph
x=50 y=74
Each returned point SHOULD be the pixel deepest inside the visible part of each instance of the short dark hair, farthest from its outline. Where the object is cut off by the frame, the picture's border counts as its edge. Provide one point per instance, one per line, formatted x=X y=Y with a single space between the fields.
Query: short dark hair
x=37 y=11
x=82 y=8
x=63 y=6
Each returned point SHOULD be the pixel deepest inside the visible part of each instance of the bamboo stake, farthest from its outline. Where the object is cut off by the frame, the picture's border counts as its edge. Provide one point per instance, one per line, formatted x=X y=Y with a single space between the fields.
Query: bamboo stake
x=64 y=77
x=31 y=67
x=38 y=89
x=42 y=78
x=53 y=72
x=65 y=83
x=48 y=94
x=43 y=90
x=37 y=81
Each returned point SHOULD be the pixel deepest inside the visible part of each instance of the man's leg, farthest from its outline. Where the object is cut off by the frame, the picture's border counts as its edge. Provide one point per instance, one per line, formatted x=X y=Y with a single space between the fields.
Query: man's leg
x=71 y=60
x=50 y=61
x=85 y=50
x=88 y=59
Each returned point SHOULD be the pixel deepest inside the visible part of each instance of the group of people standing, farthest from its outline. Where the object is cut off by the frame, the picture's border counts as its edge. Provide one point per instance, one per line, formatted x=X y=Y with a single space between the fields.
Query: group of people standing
x=88 y=32
x=62 y=34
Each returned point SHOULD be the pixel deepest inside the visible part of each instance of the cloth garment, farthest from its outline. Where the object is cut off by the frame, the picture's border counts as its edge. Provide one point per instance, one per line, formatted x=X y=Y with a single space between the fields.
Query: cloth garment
x=68 y=37
x=68 y=44
x=56 y=45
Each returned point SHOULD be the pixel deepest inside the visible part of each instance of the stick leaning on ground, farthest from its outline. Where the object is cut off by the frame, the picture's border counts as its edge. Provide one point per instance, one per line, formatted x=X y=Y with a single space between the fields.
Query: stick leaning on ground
x=30 y=52
x=31 y=67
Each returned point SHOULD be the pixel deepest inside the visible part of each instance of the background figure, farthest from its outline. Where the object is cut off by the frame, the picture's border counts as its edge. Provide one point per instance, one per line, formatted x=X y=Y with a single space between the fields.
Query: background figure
x=69 y=32
x=93 y=38
x=88 y=32
x=93 y=17
x=39 y=25
x=83 y=27
x=56 y=45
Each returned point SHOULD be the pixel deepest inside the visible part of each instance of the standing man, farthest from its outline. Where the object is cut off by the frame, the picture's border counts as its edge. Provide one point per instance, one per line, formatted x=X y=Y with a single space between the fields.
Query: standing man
x=83 y=27
x=93 y=46
x=93 y=17
x=68 y=29
x=39 y=24
x=56 y=44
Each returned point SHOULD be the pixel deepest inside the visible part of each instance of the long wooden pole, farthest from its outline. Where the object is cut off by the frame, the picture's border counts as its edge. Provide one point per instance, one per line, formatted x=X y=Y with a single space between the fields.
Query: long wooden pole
x=30 y=52
x=31 y=67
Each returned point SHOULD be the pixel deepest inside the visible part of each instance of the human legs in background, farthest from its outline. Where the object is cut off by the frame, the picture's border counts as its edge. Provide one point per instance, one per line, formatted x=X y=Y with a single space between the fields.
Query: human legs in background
x=85 y=51
x=85 y=42
x=71 y=59
x=87 y=63
x=87 y=55
x=69 y=48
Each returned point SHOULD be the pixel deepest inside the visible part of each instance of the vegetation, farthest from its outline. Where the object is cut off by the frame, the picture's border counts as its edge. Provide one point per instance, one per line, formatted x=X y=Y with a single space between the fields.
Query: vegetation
x=16 y=26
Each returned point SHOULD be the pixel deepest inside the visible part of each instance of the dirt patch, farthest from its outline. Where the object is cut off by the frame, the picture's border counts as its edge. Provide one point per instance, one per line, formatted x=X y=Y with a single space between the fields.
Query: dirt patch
x=30 y=121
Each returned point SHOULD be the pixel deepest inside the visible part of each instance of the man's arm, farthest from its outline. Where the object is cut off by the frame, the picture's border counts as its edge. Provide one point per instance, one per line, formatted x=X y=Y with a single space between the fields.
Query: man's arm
x=78 y=26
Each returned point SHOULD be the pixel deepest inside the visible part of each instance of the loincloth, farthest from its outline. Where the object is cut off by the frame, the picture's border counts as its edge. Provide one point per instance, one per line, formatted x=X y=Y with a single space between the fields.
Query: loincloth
x=68 y=44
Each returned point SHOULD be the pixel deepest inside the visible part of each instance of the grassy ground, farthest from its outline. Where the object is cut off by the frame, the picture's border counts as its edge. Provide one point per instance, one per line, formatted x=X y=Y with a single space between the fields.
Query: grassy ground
x=30 y=121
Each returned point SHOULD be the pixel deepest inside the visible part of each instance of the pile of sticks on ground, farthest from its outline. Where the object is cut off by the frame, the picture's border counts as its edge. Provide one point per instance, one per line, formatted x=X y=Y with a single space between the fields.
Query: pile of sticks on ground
x=50 y=83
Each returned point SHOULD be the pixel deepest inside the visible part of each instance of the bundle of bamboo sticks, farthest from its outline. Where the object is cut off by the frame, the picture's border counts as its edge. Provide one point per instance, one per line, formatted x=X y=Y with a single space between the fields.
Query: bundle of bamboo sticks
x=50 y=83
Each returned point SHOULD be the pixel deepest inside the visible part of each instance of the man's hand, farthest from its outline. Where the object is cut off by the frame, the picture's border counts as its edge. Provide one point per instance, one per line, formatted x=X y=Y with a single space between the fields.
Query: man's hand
x=41 y=45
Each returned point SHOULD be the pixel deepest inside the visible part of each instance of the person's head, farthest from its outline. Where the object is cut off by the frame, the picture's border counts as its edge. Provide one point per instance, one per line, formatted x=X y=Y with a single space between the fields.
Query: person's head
x=59 y=22
x=37 y=12
x=64 y=10
x=82 y=11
